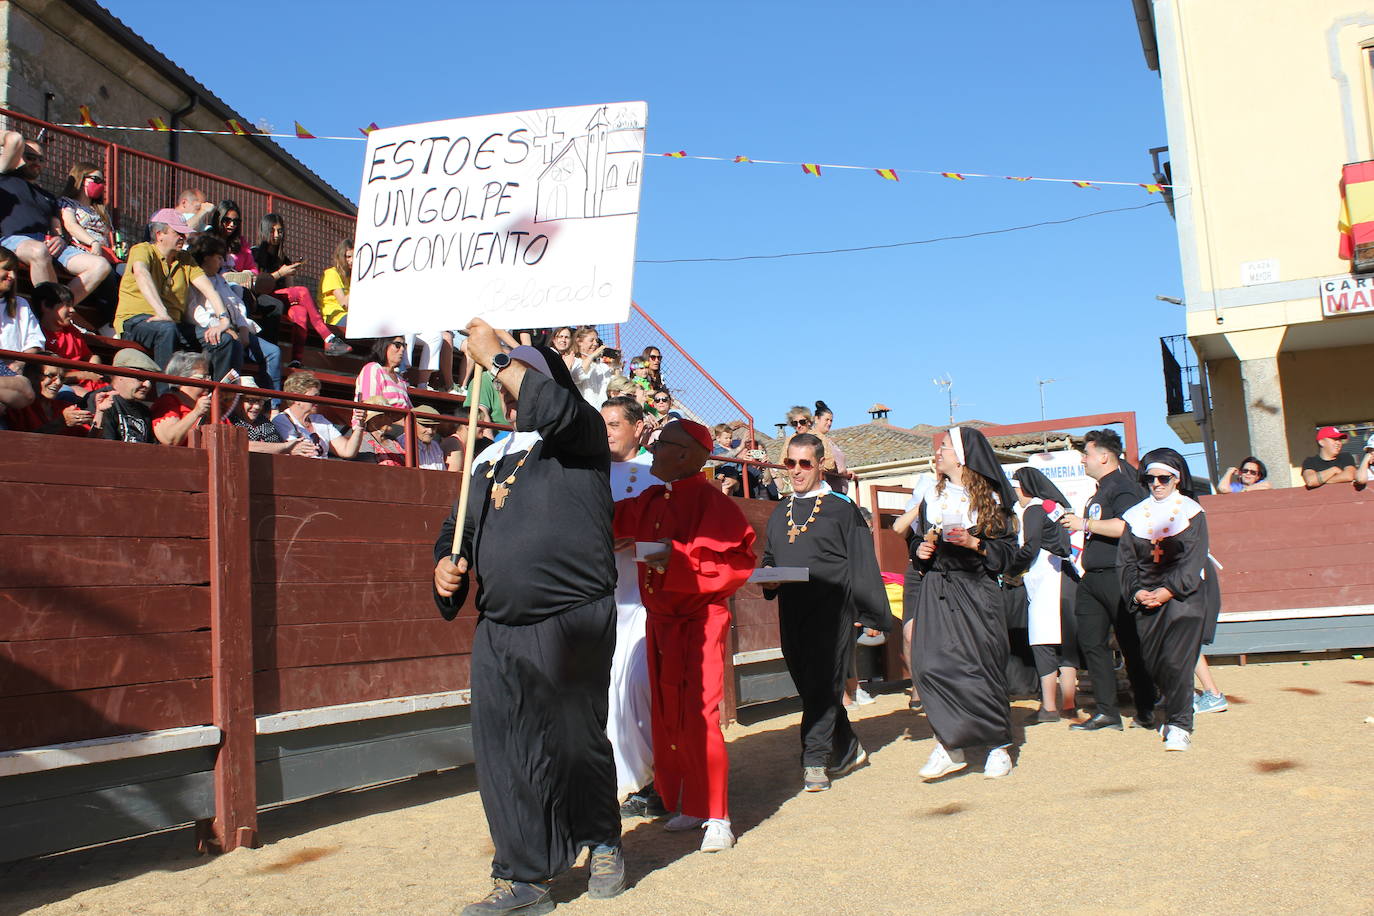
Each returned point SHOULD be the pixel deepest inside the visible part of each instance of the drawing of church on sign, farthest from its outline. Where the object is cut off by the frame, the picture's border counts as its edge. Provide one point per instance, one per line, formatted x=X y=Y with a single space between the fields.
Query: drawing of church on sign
x=594 y=174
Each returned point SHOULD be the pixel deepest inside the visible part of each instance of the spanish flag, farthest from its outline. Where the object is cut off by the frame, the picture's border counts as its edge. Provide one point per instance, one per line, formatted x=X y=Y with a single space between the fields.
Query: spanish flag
x=811 y=168
x=680 y=154
x=86 y=119
x=237 y=127
x=889 y=174
x=1084 y=184
x=368 y=129
x=1357 y=209
x=743 y=159
x=1152 y=188
x=302 y=133
x=158 y=124
x=955 y=175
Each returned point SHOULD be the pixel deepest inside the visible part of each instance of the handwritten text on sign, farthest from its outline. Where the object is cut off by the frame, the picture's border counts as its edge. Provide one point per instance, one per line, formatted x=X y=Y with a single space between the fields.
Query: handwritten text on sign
x=525 y=219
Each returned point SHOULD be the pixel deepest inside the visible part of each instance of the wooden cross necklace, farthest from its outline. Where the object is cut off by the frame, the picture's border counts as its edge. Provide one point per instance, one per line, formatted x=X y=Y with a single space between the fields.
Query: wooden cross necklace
x=792 y=529
x=1156 y=548
x=502 y=488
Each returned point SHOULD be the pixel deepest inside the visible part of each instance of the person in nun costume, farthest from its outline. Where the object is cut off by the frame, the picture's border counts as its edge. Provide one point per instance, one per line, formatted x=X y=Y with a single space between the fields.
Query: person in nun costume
x=960 y=648
x=1167 y=580
x=911 y=578
x=1050 y=582
x=545 y=634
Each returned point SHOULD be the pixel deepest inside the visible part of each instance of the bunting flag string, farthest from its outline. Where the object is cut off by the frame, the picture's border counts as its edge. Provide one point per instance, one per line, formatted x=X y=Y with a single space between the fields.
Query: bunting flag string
x=235 y=127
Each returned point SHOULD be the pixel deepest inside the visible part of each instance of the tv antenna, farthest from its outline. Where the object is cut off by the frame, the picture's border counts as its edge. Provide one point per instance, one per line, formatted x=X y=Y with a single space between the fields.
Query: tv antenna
x=1044 y=434
x=947 y=383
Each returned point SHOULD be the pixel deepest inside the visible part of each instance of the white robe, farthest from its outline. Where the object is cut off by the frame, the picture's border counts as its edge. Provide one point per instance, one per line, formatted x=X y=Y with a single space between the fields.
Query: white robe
x=627 y=718
x=1044 y=583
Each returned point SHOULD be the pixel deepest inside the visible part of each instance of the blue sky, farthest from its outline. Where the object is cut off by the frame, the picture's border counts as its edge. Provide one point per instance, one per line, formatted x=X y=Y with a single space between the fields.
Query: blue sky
x=1018 y=88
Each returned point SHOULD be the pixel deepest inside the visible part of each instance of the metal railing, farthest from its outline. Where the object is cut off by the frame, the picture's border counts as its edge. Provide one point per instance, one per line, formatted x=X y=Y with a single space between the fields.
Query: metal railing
x=1180 y=373
x=138 y=184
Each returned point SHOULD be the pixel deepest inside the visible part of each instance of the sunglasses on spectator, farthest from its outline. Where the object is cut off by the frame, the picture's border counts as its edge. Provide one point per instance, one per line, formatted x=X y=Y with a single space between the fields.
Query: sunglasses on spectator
x=397 y=343
x=1254 y=471
x=656 y=356
x=800 y=423
x=661 y=400
x=805 y=464
x=230 y=219
x=33 y=157
x=200 y=377
x=1153 y=479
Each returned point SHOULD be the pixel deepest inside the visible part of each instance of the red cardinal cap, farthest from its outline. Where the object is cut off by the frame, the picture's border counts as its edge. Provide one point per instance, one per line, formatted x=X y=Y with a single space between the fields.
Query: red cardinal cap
x=698 y=432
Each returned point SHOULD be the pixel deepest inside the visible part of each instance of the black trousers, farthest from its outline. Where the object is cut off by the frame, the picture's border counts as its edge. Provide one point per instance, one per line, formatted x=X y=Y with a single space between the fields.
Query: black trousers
x=1100 y=609
x=544 y=764
x=1171 y=638
x=817 y=641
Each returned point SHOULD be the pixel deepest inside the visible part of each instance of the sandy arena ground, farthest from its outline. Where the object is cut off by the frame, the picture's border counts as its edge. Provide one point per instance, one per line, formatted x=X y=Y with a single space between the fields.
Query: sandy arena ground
x=1270 y=812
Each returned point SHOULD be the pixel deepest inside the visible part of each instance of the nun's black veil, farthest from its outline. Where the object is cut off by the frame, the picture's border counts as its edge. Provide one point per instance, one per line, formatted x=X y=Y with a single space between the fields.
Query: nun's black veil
x=1172 y=459
x=1035 y=484
x=979 y=458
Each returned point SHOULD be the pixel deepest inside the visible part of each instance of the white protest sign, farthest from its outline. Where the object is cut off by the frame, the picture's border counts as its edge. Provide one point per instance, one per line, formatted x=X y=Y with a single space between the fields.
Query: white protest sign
x=524 y=219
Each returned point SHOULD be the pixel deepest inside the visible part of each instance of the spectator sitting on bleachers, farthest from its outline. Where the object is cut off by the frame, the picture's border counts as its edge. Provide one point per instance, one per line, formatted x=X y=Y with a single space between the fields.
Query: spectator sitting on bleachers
x=589 y=371
x=53 y=411
x=653 y=358
x=429 y=453
x=1330 y=464
x=16 y=393
x=225 y=222
x=87 y=223
x=662 y=402
x=31 y=221
x=1364 y=474
x=334 y=286
x=122 y=411
x=727 y=474
x=562 y=341
x=381 y=375
x=300 y=421
x=250 y=413
x=152 y=300
x=181 y=409
x=1251 y=475
x=208 y=251
x=195 y=209
x=380 y=435
x=639 y=373
x=19 y=327
x=52 y=304
x=273 y=263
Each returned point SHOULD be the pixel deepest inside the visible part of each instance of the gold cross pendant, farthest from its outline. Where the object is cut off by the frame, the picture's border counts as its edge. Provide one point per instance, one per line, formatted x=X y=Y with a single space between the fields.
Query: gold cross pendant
x=792 y=534
x=499 y=494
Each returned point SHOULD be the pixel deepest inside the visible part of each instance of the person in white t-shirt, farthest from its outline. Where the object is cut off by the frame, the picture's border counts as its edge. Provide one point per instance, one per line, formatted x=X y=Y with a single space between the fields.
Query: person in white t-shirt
x=298 y=421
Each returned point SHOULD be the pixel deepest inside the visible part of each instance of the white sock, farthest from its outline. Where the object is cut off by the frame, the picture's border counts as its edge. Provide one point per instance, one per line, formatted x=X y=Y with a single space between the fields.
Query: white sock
x=719 y=822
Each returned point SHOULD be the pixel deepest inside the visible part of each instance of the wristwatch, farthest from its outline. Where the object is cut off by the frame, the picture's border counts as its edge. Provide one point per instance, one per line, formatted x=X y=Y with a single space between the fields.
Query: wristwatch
x=499 y=362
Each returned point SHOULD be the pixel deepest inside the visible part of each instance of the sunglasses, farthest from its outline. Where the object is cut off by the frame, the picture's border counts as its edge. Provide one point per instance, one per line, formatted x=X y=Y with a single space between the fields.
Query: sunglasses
x=656 y=356
x=799 y=423
x=805 y=464
x=661 y=400
x=397 y=343
x=230 y=219
x=1254 y=471
x=1153 y=479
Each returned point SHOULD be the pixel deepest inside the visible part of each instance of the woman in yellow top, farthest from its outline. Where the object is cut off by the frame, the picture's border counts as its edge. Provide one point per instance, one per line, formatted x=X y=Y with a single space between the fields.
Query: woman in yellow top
x=334 y=286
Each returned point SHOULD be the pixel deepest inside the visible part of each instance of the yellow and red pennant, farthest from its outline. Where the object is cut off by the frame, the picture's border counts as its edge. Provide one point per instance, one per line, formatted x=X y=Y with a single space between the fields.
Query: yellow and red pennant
x=237 y=127
x=368 y=129
x=86 y=119
x=743 y=159
x=158 y=124
x=955 y=175
x=680 y=154
x=811 y=168
x=1152 y=188
x=1084 y=184
x=1019 y=178
x=889 y=174
x=302 y=133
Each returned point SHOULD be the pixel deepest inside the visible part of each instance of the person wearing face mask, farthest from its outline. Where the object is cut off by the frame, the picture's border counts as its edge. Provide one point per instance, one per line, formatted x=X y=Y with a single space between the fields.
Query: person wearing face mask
x=822 y=531
x=83 y=208
x=959 y=653
x=1170 y=582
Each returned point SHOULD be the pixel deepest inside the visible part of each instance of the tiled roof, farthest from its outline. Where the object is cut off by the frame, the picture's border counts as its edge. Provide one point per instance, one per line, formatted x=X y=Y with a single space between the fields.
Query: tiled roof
x=871 y=443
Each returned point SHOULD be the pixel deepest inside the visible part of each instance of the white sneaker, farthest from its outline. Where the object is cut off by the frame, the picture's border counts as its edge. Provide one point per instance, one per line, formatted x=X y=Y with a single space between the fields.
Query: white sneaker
x=998 y=764
x=681 y=822
x=861 y=697
x=718 y=836
x=1176 y=739
x=942 y=762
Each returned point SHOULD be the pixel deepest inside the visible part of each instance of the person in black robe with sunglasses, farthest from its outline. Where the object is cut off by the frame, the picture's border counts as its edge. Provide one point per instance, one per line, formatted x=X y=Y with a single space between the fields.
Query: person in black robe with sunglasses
x=823 y=531
x=1168 y=580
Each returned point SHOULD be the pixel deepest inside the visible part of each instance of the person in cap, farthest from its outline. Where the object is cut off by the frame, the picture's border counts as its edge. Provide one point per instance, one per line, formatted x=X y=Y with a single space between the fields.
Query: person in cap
x=1330 y=464
x=1050 y=582
x=629 y=721
x=1166 y=576
x=823 y=532
x=1099 y=608
x=698 y=551
x=153 y=294
x=537 y=537
x=123 y=411
x=429 y=453
x=968 y=539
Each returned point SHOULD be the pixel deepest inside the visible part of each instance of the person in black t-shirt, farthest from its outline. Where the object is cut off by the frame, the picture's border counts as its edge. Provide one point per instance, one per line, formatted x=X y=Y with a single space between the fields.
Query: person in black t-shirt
x=1330 y=464
x=31 y=221
x=122 y=411
x=1099 y=607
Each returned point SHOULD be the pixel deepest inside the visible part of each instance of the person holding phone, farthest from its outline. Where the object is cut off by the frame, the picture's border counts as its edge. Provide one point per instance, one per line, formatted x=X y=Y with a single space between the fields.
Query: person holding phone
x=959 y=652
x=273 y=262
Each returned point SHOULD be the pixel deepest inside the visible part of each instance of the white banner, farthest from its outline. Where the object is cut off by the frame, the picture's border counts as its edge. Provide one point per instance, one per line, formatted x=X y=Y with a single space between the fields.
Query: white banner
x=525 y=219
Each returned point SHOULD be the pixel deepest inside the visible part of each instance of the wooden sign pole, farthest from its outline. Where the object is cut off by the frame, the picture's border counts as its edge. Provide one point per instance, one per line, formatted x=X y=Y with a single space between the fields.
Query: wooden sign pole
x=469 y=449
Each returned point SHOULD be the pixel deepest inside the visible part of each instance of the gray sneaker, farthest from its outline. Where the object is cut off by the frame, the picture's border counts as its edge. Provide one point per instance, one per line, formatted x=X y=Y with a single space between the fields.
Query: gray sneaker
x=1209 y=702
x=513 y=897
x=814 y=779
x=607 y=867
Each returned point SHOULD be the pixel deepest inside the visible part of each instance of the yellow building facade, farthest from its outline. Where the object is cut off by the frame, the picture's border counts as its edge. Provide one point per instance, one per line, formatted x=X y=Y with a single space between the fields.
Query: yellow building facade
x=1265 y=101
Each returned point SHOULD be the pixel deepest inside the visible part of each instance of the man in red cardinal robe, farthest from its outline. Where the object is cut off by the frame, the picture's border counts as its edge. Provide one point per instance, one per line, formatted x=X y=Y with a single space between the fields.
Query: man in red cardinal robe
x=697 y=551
